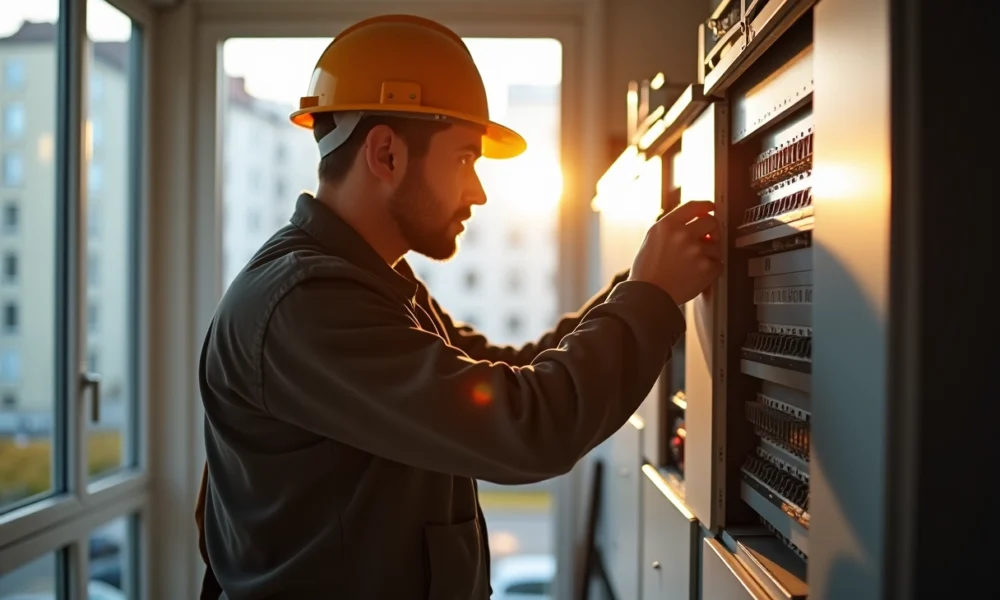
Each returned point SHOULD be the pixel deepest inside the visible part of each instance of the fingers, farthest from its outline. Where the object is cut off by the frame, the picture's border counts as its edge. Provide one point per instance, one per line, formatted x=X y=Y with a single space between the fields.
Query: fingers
x=702 y=226
x=689 y=211
x=711 y=268
x=712 y=250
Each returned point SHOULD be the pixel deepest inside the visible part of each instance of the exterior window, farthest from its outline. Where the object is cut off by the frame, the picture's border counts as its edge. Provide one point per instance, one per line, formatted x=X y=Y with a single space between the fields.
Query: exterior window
x=514 y=324
x=11 y=318
x=15 y=74
x=11 y=217
x=14 y=121
x=13 y=169
x=10 y=267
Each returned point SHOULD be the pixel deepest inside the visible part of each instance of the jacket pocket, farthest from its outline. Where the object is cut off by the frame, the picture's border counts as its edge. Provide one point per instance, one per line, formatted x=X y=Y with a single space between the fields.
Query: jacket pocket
x=456 y=558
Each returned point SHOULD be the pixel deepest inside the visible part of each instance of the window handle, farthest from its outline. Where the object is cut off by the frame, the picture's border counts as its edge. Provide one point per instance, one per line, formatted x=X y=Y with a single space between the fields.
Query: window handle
x=92 y=381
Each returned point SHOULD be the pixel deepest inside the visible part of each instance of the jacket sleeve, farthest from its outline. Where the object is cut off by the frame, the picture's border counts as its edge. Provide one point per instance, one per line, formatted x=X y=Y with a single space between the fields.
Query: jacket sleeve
x=477 y=346
x=370 y=378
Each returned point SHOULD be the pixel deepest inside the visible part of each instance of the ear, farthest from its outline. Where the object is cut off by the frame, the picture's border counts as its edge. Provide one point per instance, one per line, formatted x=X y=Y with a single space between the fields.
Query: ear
x=385 y=154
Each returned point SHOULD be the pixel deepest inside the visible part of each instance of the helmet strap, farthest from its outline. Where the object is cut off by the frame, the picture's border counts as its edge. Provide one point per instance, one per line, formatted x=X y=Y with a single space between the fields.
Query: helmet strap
x=344 y=125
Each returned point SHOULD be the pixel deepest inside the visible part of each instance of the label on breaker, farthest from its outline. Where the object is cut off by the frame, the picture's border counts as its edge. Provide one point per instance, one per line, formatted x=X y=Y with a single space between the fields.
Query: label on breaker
x=783 y=262
x=799 y=294
x=785 y=329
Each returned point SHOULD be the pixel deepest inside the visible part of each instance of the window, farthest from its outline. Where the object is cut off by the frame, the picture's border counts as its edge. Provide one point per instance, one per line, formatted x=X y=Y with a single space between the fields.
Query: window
x=10 y=366
x=523 y=80
x=95 y=178
x=266 y=176
x=15 y=73
x=47 y=459
x=36 y=579
x=471 y=235
x=93 y=319
x=11 y=317
x=111 y=558
x=13 y=169
x=514 y=324
x=96 y=84
x=111 y=244
x=11 y=217
x=93 y=270
x=530 y=588
x=14 y=121
x=253 y=220
x=93 y=220
x=515 y=281
x=96 y=133
x=10 y=267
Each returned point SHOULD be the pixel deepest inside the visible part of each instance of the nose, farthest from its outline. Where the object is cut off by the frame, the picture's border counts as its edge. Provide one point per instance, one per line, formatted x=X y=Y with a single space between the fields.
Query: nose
x=476 y=193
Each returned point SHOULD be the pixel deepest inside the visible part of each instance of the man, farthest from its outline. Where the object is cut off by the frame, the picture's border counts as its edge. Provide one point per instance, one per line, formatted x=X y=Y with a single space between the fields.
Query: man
x=347 y=415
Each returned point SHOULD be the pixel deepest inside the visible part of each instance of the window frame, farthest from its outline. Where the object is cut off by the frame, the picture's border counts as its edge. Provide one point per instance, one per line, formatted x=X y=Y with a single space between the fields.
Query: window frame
x=65 y=518
x=579 y=27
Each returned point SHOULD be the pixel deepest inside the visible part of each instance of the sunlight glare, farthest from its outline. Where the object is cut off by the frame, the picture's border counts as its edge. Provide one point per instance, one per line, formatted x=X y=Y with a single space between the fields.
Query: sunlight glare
x=530 y=185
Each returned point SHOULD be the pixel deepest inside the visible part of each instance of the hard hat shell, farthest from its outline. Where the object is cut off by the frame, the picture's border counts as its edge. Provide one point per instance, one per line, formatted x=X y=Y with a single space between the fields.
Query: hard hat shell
x=408 y=66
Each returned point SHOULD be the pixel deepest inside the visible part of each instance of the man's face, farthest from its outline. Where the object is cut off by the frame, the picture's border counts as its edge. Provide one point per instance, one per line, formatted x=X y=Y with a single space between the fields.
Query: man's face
x=438 y=191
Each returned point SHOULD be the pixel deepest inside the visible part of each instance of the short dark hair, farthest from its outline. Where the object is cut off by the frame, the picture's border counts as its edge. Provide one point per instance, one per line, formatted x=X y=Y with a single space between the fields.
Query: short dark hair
x=333 y=167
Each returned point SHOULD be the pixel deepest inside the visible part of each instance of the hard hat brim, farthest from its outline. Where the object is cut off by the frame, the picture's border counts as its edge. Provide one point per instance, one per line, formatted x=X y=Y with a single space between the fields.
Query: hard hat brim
x=499 y=142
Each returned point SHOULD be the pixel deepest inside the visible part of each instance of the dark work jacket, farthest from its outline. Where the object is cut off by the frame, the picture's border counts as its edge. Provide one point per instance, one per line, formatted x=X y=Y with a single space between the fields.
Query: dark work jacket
x=347 y=418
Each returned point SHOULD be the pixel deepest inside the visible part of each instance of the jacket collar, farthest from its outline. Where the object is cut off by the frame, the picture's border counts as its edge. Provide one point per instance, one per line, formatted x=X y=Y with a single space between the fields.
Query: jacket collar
x=338 y=238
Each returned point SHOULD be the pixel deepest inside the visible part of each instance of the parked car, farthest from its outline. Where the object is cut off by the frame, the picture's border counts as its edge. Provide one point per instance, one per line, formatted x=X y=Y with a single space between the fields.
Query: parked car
x=523 y=577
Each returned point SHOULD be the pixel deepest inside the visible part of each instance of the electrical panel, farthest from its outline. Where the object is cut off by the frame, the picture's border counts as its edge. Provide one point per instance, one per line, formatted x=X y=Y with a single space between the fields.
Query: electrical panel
x=807 y=195
x=769 y=305
x=735 y=403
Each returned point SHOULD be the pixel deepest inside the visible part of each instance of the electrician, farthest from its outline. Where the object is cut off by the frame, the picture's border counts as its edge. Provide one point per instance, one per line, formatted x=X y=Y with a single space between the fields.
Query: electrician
x=347 y=415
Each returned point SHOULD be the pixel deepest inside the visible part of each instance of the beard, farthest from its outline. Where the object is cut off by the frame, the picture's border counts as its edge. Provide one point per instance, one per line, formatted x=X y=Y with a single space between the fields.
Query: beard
x=416 y=211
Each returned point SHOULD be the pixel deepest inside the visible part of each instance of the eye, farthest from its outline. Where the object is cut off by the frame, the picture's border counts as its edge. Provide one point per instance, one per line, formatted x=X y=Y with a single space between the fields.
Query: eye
x=467 y=160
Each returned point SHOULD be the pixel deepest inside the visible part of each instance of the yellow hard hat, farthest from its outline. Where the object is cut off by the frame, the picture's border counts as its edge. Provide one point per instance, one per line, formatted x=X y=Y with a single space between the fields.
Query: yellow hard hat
x=406 y=66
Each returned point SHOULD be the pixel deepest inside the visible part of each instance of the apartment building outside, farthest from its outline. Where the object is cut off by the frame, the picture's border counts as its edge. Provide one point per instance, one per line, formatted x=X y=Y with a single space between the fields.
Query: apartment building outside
x=28 y=224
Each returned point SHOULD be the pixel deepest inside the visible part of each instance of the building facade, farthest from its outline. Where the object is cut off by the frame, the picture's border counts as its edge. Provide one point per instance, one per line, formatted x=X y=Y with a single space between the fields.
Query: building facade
x=28 y=224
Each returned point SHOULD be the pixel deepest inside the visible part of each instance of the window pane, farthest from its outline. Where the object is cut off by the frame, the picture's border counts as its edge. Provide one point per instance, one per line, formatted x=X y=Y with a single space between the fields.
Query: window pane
x=267 y=160
x=37 y=580
x=28 y=307
x=111 y=243
x=499 y=281
x=501 y=278
x=111 y=556
x=13 y=121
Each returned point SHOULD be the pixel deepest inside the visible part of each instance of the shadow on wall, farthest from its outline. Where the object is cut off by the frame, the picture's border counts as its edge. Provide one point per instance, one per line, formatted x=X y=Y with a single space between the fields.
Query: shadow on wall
x=849 y=433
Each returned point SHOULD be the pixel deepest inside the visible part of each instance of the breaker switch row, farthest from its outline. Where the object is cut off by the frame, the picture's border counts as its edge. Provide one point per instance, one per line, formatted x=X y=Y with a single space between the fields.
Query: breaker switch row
x=786 y=160
x=779 y=427
x=790 y=346
x=785 y=485
x=762 y=212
